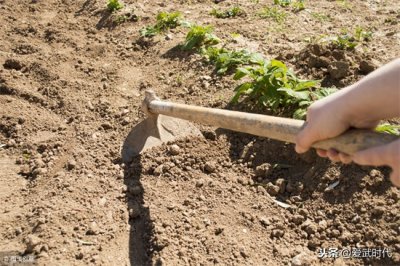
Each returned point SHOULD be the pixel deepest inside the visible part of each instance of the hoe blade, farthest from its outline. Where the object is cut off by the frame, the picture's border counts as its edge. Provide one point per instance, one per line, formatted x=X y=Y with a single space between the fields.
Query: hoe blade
x=154 y=131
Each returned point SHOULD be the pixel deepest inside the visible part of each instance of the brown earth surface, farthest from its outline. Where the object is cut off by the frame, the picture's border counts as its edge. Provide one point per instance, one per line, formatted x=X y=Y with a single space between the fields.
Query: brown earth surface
x=71 y=86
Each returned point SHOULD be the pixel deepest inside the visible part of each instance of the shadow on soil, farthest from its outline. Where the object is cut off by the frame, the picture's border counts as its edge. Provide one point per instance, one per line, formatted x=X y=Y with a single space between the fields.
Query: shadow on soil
x=141 y=228
x=106 y=19
x=306 y=173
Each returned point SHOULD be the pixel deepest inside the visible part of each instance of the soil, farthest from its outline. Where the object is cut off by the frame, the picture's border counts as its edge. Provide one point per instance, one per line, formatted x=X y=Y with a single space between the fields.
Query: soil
x=71 y=85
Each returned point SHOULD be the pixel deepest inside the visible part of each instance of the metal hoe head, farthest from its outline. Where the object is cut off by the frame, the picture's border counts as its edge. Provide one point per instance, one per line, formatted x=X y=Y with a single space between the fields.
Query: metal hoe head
x=155 y=130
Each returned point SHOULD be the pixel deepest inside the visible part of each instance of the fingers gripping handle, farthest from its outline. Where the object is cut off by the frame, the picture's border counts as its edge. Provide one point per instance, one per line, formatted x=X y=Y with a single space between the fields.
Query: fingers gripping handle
x=283 y=129
x=355 y=140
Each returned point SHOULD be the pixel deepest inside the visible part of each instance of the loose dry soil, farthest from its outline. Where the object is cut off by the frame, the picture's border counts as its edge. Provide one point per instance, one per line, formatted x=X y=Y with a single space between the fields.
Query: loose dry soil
x=71 y=85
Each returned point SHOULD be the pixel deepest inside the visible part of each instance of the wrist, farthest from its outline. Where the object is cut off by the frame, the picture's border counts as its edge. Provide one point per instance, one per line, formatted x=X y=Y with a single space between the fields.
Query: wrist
x=354 y=109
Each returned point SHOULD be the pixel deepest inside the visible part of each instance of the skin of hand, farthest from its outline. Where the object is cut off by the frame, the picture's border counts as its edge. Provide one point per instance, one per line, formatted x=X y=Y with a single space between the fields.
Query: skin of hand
x=361 y=105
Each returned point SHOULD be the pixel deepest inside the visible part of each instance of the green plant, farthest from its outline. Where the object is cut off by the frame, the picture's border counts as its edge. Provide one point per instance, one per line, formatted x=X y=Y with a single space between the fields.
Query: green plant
x=299 y=5
x=296 y=5
x=347 y=40
x=273 y=85
x=315 y=95
x=232 y=12
x=164 y=22
x=198 y=36
x=362 y=35
x=282 y=2
x=114 y=5
x=273 y=12
x=225 y=60
x=121 y=19
x=125 y=17
x=388 y=128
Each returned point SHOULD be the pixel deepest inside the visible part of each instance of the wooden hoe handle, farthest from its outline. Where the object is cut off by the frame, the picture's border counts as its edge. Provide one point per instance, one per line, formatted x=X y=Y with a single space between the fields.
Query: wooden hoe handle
x=283 y=129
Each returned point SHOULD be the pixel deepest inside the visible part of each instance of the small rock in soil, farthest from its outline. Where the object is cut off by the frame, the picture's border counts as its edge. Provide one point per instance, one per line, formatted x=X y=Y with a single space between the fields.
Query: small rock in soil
x=210 y=167
x=18 y=231
x=264 y=221
x=168 y=37
x=313 y=243
x=219 y=230
x=378 y=211
x=272 y=189
x=174 y=149
x=134 y=211
x=311 y=229
x=298 y=219
x=79 y=256
x=302 y=259
x=159 y=170
x=394 y=193
x=323 y=224
x=39 y=172
x=199 y=183
x=106 y=126
x=125 y=121
x=71 y=164
x=262 y=170
x=281 y=183
x=93 y=229
x=261 y=190
x=277 y=233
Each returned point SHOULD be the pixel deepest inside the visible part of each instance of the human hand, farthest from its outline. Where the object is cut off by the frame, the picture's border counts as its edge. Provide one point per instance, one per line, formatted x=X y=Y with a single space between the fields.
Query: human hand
x=325 y=120
x=388 y=155
x=328 y=118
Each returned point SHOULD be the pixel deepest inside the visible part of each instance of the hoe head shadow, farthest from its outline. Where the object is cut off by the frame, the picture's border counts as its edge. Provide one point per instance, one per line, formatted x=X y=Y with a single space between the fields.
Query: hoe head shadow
x=154 y=131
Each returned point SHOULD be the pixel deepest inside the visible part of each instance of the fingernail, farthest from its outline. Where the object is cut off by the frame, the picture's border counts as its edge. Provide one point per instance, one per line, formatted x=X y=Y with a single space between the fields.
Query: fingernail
x=300 y=149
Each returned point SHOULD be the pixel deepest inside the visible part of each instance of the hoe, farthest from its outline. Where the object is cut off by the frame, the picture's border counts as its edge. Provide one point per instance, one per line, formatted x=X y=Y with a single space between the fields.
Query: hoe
x=166 y=121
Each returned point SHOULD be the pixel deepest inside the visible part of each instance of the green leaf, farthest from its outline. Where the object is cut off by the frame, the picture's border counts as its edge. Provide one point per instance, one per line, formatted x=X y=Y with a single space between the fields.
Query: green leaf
x=241 y=89
x=388 y=128
x=304 y=103
x=306 y=84
x=300 y=114
x=278 y=64
x=299 y=95
x=257 y=58
x=240 y=73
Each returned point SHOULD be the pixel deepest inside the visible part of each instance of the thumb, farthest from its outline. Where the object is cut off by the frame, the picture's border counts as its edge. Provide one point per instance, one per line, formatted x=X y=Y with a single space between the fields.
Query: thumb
x=306 y=138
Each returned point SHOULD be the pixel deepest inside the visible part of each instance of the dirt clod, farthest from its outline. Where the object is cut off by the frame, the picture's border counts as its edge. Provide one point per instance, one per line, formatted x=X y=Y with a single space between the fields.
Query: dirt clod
x=338 y=69
x=272 y=189
x=13 y=64
x=31 y=242
x=367 y=66
x=262 y=170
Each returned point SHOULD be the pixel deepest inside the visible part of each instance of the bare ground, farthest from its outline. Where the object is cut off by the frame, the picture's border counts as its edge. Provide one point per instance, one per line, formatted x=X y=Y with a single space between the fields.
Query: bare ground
x=71 y=85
